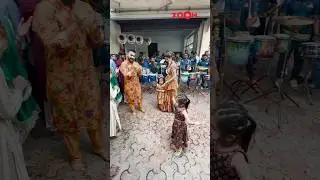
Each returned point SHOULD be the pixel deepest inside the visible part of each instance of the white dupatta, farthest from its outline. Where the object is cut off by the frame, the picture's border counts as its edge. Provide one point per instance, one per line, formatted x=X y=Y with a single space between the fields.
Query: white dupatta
x=11 y=156
x=114 y=116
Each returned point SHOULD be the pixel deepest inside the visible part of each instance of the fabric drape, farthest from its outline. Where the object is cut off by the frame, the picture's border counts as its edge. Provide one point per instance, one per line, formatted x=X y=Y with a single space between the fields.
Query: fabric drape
x=12 y=67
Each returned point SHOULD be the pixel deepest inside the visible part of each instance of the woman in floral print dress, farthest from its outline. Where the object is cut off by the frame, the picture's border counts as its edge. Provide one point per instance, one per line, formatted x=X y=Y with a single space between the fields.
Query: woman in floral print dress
x=171 y=83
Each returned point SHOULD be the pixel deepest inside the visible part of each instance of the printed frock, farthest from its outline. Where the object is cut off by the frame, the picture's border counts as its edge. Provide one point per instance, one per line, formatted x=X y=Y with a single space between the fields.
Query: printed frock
x=164 y=100
x=72 y=80
x=221 y=168
x=160 y=98
x=179 y=134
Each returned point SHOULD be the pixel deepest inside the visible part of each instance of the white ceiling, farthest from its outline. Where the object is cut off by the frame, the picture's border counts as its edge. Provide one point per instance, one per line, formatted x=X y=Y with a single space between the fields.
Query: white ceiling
x=124 y=5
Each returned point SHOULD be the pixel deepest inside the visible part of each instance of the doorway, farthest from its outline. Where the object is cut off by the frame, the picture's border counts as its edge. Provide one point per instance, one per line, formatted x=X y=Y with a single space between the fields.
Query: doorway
x=153 y=49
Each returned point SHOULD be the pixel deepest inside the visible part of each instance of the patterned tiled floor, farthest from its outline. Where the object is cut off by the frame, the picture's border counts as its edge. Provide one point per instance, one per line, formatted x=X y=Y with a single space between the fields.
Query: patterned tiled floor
x=141 y=151
x=47 y=160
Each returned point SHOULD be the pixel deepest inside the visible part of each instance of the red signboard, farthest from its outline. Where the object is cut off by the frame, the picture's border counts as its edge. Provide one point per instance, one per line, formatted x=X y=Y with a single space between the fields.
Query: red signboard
x=184 y=15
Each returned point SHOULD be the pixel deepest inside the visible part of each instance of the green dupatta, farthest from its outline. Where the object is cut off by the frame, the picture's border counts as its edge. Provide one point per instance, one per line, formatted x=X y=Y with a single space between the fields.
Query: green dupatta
x=12 y=66
x=115 y=85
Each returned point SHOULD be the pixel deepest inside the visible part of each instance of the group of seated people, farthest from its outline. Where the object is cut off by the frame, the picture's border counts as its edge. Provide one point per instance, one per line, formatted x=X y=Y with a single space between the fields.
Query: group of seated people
x=187 y=63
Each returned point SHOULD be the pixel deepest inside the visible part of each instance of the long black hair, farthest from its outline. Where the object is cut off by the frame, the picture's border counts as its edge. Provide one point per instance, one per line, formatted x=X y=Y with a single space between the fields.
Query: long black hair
x=233 y=119
x=183 y=101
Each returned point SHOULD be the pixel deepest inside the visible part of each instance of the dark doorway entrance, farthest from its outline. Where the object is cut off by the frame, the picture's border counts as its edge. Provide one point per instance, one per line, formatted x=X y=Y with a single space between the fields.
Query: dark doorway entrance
x=153 y=49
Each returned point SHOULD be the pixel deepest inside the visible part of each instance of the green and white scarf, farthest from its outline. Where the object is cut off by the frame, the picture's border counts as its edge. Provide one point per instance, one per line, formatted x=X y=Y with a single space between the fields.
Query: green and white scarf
x=115 y=86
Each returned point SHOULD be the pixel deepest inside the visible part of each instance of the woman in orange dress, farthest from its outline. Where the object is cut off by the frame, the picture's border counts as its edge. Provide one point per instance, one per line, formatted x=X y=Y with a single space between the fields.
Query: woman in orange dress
x=171 y=83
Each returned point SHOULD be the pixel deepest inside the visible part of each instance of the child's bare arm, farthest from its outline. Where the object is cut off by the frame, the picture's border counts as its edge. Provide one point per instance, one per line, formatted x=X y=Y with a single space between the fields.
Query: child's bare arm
x=241 y=165
x=186 y=116
x=188 y=120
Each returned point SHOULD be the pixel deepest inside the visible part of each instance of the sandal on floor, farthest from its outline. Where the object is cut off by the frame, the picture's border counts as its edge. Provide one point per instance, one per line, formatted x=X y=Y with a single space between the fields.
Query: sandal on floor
x=178 y=153
x=77 y=165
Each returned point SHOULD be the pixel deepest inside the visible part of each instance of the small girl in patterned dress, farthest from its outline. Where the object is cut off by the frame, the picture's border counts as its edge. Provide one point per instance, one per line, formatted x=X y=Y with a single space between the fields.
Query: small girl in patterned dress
x=179 y=134
x=234 y=129
x=161 y=93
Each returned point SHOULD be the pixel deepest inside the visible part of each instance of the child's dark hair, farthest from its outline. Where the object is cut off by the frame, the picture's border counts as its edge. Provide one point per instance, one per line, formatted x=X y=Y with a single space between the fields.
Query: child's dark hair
x=183 y=101
x=233 y=119
x=161 y=78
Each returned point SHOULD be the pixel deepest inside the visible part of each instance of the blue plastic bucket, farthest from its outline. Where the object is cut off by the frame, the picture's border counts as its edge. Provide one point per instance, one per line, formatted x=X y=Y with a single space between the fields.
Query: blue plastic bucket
x=144 y=79
x=238 y=49
x=152 y=77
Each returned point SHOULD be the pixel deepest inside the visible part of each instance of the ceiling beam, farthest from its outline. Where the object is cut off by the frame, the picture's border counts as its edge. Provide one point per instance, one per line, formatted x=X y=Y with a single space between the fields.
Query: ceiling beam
x=152 y=25
x=134 y=29
x=141 y=15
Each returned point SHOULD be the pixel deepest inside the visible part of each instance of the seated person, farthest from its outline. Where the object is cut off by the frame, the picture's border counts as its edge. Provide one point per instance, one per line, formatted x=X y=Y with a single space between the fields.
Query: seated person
x=145 y=63
x=140 y=58
x=204 y=62
x=178 y=58
x=193 y=63
x=153 y=66
x=164 y=72
x=195 y=56
x=158 y=59
x=186 y=63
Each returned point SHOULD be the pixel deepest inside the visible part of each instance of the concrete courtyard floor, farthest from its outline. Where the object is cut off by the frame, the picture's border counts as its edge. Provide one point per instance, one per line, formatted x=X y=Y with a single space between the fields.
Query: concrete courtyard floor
x=142 y=151
x=286 y=144
x=47 y=159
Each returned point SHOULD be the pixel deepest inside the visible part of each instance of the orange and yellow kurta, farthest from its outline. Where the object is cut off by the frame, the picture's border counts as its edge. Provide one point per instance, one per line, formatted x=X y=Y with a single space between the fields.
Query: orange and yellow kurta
x=132 y=72
x=72 y=82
